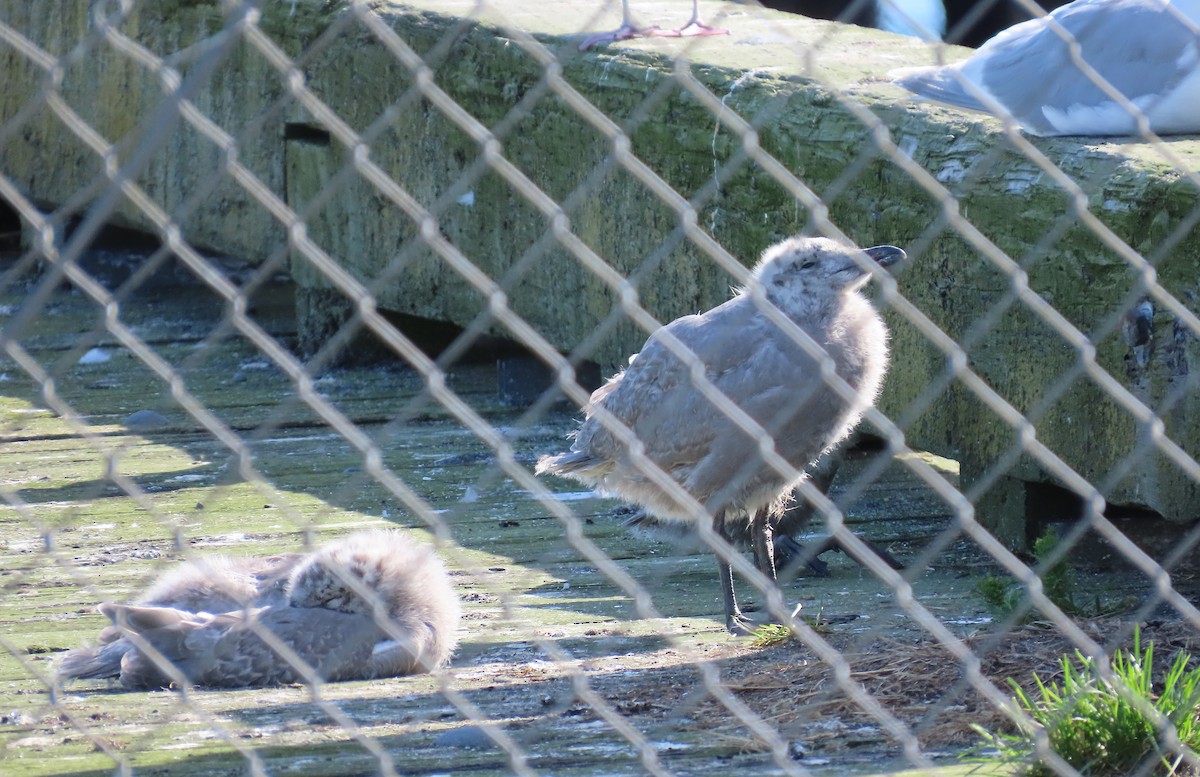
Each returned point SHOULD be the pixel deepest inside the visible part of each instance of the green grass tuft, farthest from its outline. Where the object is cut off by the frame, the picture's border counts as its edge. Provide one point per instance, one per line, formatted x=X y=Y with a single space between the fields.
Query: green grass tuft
x=1101 y=728
x=770 y=634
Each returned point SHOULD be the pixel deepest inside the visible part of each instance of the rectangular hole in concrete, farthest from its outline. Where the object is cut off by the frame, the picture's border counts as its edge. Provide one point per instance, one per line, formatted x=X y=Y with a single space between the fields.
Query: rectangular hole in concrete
x=306 y=133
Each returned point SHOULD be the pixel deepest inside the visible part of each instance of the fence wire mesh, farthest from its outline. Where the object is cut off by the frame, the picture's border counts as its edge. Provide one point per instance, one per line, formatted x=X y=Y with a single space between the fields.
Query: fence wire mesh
x=267 y=265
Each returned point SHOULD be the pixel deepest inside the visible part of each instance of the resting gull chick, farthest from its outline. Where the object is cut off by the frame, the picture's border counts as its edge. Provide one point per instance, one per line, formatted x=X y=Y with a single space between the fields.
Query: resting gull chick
x=1148 y=50
x=814 y=282
x=628 y=29
x=405 y=623
x=211 y=584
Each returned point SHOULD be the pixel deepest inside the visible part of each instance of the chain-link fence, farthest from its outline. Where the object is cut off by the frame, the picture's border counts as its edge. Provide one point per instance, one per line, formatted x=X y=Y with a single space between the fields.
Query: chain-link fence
x=276 y=273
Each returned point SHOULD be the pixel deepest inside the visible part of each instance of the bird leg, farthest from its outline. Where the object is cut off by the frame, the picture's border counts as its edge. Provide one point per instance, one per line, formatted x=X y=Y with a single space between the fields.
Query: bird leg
x=797 y=516
x=795 y=553
x=735 y=621
x=763 y=534
x=626 y=31
x=791 y=553
x=695 y=27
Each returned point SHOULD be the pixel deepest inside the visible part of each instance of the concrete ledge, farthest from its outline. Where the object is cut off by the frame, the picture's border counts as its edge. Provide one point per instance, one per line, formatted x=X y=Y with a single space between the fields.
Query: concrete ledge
x=780 y=73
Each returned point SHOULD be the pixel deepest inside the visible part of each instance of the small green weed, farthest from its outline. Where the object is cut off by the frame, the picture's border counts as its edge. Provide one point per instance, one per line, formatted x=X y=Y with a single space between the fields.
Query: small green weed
x=1001 y=593
x=1058 y=580
x=770 y=634
x=1097 y=729
x=1058 y=583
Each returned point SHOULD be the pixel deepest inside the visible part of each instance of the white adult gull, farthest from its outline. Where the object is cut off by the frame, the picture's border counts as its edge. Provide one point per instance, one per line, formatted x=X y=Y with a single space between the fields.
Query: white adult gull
x=762 y=369
x=1147 y=50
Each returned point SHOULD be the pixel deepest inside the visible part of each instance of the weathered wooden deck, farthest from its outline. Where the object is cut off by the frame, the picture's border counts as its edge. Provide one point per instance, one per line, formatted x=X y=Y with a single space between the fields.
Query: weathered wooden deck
x=543 y=628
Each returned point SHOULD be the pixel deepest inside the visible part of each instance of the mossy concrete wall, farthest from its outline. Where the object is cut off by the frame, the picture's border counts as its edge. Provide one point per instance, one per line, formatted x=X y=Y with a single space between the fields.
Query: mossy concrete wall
x=784 y=74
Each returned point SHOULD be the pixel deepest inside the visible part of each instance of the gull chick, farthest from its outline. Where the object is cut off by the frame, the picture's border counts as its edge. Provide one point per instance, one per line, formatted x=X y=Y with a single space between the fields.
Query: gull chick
x=373 y=604
x=814 y=282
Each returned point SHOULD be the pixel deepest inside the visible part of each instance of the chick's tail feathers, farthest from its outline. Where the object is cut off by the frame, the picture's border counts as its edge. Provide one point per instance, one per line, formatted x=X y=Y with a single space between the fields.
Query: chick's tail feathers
x=573 y=464
x=99 y=662
x=104 y=661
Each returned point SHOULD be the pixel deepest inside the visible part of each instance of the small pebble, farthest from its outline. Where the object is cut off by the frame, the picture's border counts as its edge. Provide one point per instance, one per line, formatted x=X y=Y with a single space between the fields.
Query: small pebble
x=467 y=737
x=146 y=419
x=95 y=356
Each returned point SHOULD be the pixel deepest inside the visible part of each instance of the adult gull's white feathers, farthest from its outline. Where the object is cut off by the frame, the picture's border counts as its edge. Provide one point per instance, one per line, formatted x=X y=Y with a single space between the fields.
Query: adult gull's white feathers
x=1147 y=50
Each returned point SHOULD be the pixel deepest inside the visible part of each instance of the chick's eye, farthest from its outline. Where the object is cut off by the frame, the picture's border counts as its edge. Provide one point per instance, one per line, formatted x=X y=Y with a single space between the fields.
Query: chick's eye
x=808 y=265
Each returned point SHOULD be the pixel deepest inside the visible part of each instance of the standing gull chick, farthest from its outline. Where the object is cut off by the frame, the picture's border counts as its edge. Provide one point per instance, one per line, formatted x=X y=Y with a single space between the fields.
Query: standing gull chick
x=372 y=604
x=814 y=282
x=1147 y=50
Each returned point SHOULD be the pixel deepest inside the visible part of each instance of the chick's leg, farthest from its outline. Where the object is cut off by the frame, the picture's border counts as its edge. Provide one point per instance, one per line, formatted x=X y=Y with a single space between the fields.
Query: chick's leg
x=735 y=621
